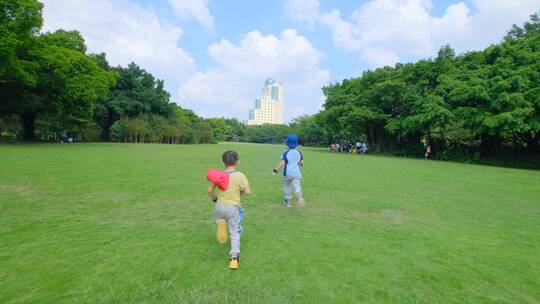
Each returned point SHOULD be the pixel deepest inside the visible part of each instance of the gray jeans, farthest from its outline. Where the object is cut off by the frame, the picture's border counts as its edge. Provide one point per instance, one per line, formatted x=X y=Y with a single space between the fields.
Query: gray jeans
x=233 y=215
x=290 y=185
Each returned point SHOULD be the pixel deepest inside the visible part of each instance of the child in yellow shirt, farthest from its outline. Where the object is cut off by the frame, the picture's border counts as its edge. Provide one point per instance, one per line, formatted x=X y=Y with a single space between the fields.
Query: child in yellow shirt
x=229 y=212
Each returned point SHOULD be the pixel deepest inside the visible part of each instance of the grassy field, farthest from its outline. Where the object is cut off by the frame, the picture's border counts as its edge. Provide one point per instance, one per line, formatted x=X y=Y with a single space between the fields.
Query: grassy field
x=123 y=223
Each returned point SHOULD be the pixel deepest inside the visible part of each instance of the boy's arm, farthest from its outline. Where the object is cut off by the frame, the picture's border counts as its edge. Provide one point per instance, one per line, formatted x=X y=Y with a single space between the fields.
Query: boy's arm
x=279 y=167
x=211 y=193
x=302 y=163
x=245 y=189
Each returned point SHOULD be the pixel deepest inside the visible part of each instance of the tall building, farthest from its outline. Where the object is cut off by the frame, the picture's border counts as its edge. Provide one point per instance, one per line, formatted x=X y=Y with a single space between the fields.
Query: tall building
x=269 y=106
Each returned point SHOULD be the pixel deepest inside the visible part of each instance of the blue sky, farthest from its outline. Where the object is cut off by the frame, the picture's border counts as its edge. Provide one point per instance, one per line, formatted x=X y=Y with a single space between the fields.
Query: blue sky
x=234 y=18
x=214 y=55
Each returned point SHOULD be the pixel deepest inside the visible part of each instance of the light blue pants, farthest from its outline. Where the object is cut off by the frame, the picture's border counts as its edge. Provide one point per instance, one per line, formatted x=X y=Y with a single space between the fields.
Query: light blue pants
x=233 y=215
x=292 y=185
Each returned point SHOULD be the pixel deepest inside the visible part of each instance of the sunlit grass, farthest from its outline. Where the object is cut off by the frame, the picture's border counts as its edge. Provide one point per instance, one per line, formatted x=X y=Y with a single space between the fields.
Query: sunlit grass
x=123 y=223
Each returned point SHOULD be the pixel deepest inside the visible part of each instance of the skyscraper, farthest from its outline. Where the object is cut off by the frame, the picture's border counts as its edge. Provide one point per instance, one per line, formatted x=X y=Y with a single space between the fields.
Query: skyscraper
x=269 y=106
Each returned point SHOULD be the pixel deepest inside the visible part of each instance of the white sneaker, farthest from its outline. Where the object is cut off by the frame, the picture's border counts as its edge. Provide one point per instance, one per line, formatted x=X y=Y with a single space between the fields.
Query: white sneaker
x=287 y=204
x=301 y=202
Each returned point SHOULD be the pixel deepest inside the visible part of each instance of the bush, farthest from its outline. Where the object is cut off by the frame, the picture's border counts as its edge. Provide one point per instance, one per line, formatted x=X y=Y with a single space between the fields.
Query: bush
x=157 y=129
x=10 y=127
x=91 y=132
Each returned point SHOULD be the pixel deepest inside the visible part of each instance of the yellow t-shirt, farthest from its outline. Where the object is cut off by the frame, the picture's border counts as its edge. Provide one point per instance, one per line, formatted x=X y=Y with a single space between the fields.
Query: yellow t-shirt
x=231 y=196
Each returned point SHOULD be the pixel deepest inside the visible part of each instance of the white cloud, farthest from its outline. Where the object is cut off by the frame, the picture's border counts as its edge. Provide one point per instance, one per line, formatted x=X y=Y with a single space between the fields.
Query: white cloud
x=378 y=57
x=304 y=11
x=126 y=32
x=230 y=88
x=488 y=25
x=344 y=33
x=382 y=30
x=197 y=9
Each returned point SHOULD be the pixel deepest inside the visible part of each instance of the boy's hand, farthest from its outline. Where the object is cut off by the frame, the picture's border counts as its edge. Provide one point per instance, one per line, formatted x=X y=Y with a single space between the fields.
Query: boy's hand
x=280 y=165
x=246 y=190
x=211 y=193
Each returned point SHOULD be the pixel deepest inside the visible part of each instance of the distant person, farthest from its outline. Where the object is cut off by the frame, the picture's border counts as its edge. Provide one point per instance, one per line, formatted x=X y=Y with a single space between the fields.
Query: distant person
x=338 y=148
x=63 y=138
x=291 y=161
x=427 y=152
x=364 y=148
x=358 y=146
x=229 y=212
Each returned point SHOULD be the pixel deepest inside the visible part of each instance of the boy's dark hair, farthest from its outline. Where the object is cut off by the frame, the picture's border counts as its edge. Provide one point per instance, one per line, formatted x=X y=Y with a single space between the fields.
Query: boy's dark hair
x=230 y=158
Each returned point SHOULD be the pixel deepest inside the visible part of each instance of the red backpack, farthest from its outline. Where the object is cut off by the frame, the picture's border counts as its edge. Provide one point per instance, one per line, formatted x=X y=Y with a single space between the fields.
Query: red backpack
x=218 y=178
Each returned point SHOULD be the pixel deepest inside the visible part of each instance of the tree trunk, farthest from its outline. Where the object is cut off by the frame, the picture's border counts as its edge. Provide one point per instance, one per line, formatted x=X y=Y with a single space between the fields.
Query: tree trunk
x=29 y=120
x=105 y=133
x=533 y=144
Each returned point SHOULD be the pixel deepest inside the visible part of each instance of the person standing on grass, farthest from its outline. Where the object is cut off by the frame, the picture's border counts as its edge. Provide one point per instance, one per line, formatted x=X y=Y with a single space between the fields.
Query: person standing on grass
x=364 y=148
x=291 y=161
x=229 y=212
x=427 y=152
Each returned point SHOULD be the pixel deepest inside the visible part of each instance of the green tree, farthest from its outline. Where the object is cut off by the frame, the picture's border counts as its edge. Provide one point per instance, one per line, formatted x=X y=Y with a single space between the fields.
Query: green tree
x=68 y=83
x=483 y=103
x=45 y=75
x=136 y=92
x=219 y=127
x=20 y=21
x=310 y=130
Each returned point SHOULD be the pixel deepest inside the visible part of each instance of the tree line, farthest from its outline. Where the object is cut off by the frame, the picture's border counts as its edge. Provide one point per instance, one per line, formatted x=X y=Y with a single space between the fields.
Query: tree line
x=50 y=86
x=472 y=106
x=310 y=131
x=475 y=106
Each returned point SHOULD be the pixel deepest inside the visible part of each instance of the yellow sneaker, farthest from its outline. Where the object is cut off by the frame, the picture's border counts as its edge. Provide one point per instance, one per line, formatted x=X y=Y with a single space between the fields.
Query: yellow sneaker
x=221 y=233
x=233 y=264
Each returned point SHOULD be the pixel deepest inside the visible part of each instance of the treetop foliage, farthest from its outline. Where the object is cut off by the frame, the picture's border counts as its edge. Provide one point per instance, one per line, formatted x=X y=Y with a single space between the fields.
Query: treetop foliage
x=481 y=102
x=50 y=86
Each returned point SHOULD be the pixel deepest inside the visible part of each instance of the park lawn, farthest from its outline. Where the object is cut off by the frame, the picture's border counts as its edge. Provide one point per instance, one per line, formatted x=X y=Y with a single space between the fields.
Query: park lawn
x=131 y=223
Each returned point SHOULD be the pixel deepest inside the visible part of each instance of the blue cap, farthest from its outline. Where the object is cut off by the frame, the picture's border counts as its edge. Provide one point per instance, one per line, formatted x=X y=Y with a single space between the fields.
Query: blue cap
x=292 y=141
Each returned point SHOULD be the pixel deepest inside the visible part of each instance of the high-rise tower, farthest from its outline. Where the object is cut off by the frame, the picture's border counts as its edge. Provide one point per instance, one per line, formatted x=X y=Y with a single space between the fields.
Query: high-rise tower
x=269 y=106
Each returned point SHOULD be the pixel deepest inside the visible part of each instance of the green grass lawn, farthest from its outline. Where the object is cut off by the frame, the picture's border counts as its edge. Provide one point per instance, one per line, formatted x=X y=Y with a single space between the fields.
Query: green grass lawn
x=124 y=223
